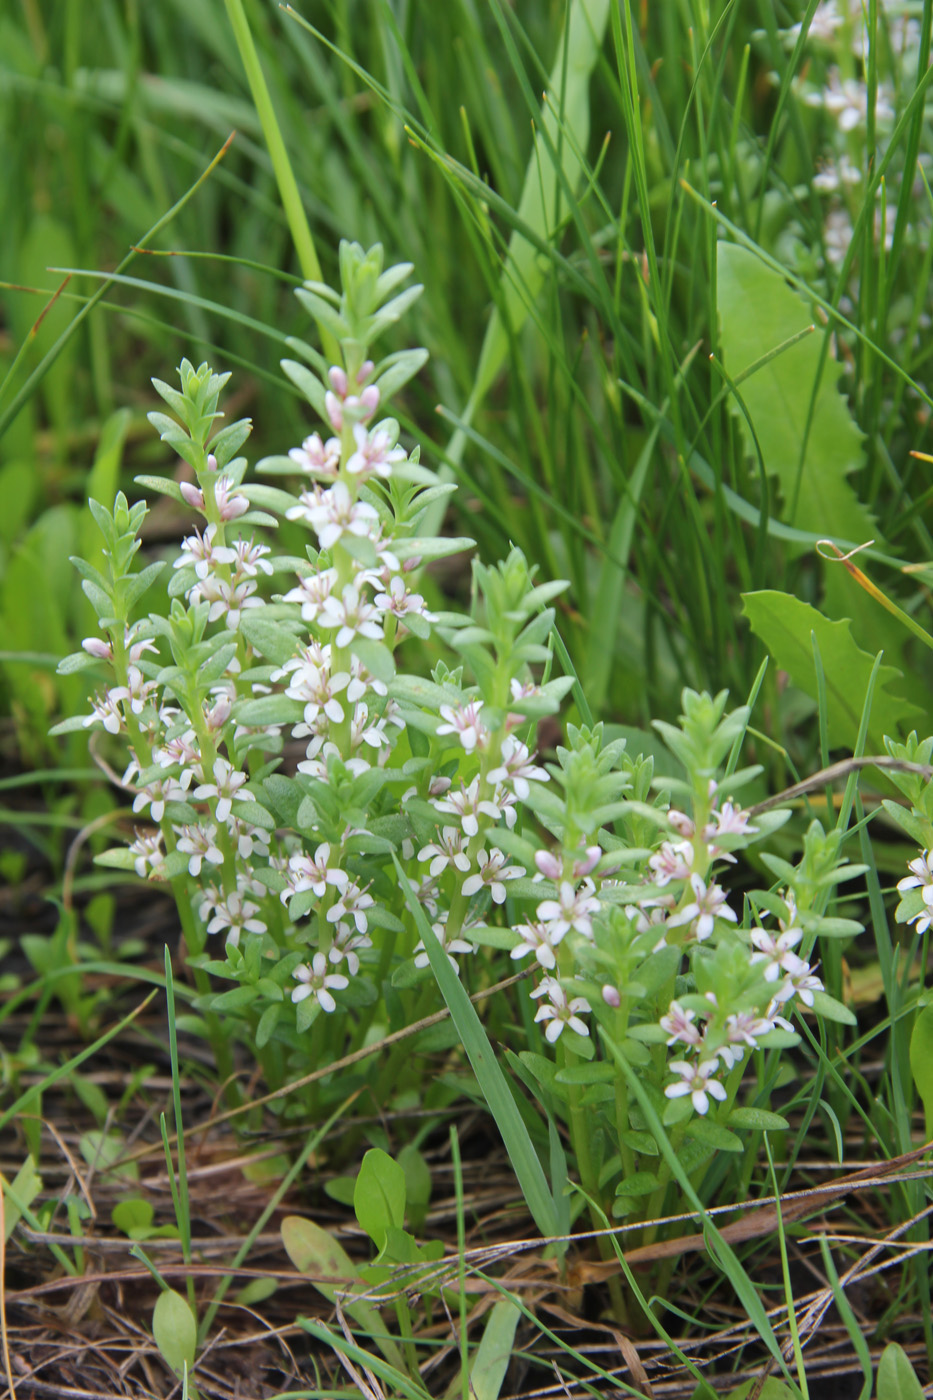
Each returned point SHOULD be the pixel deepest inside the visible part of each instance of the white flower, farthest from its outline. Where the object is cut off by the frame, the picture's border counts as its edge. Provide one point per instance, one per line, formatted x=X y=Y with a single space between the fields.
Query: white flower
x=921 y=876
x=493 y=871
x=249 y=558
x=247 y=838
x=708 y=905
x=200 y=844
x=352 y=904
x=225 y=787
x=312 y=593
x=147 y=849
x=338 y=514
x=696 y=1081
x=466 y=805
x=316 y=981
x=539 y=939
x=235 y=914
x=571 y=909
x=558 y=1011
x=671 y=862
x=679 y=1024
x=517 y=768
x=317 y=458
x=374 y=455
x=105 y=709
x=353 y=615
x=448 y=850
x=200 y=550
x=464 y=721
x=449 y=944
x=307 y=874
x=399 y=602
x=777 y=953
x=155 y=795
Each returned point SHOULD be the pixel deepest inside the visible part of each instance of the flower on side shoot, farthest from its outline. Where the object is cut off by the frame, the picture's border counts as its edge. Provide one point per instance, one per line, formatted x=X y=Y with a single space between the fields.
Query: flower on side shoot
x=316 y=981
x=697 y=1081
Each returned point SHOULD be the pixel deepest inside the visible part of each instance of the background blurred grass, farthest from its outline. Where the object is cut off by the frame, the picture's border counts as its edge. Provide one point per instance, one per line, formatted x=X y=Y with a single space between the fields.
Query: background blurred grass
x=601 y=443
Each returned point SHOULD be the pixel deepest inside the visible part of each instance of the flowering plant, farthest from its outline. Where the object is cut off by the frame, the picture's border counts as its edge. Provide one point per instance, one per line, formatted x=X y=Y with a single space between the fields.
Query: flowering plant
x=288 y=765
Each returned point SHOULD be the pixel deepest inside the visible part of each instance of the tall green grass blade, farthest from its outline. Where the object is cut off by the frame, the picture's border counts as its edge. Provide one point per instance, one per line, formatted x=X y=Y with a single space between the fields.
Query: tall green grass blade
x=489 y=1075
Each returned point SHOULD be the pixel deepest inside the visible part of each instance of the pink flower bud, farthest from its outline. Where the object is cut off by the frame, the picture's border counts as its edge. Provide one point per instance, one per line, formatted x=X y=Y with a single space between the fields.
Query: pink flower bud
x=192 y=495
x=369 y=400
x=211 y=462
x=611 y=996
x=338 y=380
x=334 y=411
x=96 y=646
x=549 y=865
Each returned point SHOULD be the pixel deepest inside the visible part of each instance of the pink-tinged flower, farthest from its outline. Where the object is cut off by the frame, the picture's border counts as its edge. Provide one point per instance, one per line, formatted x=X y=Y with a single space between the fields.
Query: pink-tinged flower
x=362 y=681
x=671 y=862
x=802 y=983
x=559 y=1011
x=697 y=1081
x=235 y=914
x=681 y=823
x=229 y=504
x=216 y=716
x=318 y=690
x=465 y=804
x=339 y=514
x=539 y=939
x=227 y=599
x=352 y=904
x=447 y=850
x=347 y=946
x=148 y=853
x=449 y=944
x=248 y=839
x=491 y=875
x=516 y=767
x=506 y=801
x=98 y=647
x=201 y=551
x=572 y=909
x=523 y=690
x=316 y=981
x=920 y=877
x=105 y=710
x=312 y=593
x=375 y=454
x=745 y=1027
x=317 y=458
x=708 y=905
x=249 y=559
x=339 y=403
x=225 y=788
x=364 y=730
x=679 y=1025
x=400 y=603
x=184 y=750
x=464 y=721
x=777 y=953
x=155 y=795
x=307 y=874
x=199 y=843
x=352 y=615
x=729 y=820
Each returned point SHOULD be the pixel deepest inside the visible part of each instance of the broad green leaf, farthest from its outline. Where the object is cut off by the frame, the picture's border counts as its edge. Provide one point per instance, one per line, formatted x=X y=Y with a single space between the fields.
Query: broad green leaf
x=20 y=1194
x=785 y=624
x=810 y=444
x=757 y=1118
x=330 y=1270
x=132 y=1214
x=379 y=1196
x=175 y=1330
x=897 y=1379
x=921 y=1064
x=494 y=1351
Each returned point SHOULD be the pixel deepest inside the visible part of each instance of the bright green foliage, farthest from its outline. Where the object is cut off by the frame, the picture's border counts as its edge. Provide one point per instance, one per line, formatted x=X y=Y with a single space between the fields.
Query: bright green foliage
x=175 y=1330
x=787 y=626
x=800 y=422
x=921 y=1065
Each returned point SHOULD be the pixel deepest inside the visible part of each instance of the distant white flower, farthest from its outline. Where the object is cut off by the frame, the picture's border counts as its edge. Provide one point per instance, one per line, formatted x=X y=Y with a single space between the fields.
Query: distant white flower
x=148 y=853
x=312 y=593
x=449 y=944
x=465 y=804
x=671 y=862
x=201 y=551
x=353 y=615
x=317 y=458
x=777 y=953
x=374 y=455
x=493 y=872
x=540 y=939
x=679 y=1025
x=225 y=788
x=516 y=768
x=400 y=603
x=464 y=721
x=559 y=1010
x=352 y=904
x=105 y=709
x=316 y=981
x=305 y=873
x=237 y=915
x=708 y=905
x=347 y=946
x=697 y=1081
x=447 y=850
x=199 y=843
x=339 y=514
x=920 y=877
x=571 y=910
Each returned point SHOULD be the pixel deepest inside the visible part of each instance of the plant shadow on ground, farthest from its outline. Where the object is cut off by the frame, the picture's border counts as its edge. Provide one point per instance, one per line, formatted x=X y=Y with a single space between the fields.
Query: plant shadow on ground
x=84 y=1330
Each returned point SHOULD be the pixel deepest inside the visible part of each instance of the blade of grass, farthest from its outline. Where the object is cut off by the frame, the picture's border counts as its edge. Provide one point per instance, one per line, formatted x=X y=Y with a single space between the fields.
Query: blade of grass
x=489 y=1076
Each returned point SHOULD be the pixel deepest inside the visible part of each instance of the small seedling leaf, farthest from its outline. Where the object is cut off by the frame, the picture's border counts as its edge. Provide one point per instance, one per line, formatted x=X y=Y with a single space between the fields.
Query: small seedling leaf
x=897 y=1379
x=379 y=1196
x=175 y=1330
